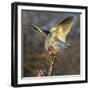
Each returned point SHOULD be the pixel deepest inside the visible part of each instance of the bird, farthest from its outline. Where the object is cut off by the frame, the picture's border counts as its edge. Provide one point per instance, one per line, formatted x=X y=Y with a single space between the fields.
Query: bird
x=56 y=37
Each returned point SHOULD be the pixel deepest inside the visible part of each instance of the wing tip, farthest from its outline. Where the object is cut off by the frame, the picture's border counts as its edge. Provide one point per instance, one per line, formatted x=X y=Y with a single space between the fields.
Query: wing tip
x=33 y=27
x=70 y=17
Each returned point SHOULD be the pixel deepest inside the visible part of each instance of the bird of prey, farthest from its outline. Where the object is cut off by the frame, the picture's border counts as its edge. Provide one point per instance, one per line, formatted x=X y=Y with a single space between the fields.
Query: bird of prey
x=55 y=38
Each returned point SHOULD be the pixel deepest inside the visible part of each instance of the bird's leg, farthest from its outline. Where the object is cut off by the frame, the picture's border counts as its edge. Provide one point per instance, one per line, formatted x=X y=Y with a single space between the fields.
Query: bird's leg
x=51 y=65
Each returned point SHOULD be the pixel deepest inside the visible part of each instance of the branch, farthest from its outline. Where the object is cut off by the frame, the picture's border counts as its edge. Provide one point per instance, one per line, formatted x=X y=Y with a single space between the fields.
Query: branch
x=51 y=65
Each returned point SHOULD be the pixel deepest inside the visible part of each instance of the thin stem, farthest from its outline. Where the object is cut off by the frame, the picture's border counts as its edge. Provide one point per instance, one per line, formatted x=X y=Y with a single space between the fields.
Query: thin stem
x=51 y=65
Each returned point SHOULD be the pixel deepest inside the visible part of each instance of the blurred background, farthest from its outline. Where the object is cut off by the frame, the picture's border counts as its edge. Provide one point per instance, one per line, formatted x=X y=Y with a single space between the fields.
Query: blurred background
x=34 y=55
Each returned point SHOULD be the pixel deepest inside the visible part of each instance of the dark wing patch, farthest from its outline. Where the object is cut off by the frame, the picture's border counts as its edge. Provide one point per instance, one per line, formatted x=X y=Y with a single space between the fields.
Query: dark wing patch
x=41 y=31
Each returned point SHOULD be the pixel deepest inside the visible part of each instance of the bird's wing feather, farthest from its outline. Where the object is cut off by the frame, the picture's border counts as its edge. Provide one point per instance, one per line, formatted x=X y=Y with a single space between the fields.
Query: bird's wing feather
x=57 y=42
x=62 y=29
x=61 y=44
x=42 y=32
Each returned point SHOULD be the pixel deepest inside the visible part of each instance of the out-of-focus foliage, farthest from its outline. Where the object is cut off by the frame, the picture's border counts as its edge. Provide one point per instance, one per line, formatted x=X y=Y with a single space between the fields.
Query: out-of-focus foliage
x=34 y=55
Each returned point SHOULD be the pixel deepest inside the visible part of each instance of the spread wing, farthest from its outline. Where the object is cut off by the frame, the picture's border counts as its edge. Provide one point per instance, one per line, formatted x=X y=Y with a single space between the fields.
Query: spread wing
x=62 y=29
x=41 y=31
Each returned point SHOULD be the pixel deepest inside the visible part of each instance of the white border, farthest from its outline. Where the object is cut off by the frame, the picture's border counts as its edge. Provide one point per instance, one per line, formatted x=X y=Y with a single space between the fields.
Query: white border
x=31 y=80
